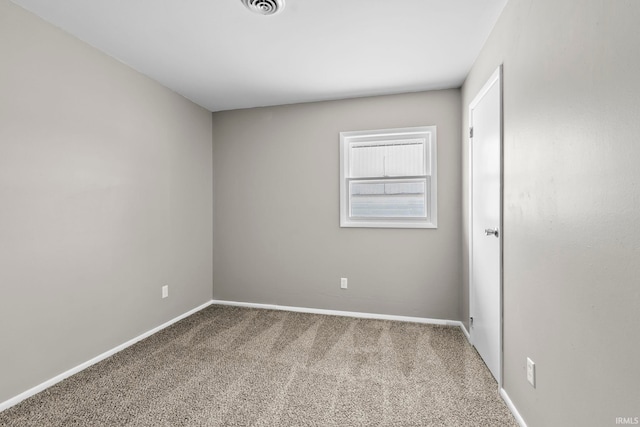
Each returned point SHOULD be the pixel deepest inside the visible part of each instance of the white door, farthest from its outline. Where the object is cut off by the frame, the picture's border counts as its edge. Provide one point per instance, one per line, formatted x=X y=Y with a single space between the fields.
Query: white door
x=485 y=117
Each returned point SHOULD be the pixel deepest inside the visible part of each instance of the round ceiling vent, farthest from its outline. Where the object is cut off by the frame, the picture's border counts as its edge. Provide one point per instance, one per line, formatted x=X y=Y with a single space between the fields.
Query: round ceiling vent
x=264 y=7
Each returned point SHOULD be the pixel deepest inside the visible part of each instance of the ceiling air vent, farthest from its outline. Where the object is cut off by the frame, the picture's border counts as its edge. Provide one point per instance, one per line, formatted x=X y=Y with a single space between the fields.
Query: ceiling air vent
x=264 y=7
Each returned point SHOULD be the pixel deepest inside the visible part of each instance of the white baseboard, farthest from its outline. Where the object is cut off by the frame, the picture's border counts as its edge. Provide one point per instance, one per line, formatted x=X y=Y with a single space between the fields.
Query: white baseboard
x=512 y=408
x=345 y=313
x=465 y=332
x=40 y=387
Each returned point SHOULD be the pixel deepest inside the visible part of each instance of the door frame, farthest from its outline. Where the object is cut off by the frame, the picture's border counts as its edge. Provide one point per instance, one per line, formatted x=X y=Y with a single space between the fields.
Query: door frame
x=496 y=78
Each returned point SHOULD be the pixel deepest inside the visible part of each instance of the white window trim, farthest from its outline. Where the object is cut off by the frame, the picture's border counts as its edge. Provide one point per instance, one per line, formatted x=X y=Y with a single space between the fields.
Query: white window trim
x=427 y=132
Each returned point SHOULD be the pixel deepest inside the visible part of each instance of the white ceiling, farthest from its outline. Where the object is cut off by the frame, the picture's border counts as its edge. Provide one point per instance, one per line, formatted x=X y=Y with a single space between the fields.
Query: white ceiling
x=223 y=57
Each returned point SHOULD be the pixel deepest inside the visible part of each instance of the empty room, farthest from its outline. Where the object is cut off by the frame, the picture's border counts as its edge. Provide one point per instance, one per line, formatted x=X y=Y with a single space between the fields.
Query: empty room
x=319 y=213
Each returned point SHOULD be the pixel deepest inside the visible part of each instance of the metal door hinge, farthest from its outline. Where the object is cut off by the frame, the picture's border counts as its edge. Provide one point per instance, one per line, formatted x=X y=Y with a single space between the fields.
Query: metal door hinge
x=470 y=132
x=471 y=321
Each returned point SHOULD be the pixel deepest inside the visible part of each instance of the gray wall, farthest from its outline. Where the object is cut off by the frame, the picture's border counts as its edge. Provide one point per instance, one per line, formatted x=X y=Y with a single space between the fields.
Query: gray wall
x=572 y=197
x=105 y=190
x=277 y=238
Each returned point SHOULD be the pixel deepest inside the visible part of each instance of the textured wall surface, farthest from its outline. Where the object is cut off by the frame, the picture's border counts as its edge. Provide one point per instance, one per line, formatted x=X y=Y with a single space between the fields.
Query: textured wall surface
x=277 y=235
x=105 y=187
x=572 y=197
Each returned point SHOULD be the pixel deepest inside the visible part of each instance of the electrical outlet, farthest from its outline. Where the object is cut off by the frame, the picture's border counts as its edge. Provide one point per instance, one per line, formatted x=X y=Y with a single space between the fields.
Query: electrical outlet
x=531 y=372
x=165 y=291
x=343 y=283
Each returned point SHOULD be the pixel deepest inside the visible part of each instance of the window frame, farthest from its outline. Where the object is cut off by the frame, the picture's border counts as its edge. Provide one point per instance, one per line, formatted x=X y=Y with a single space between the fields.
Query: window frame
x=348 y=139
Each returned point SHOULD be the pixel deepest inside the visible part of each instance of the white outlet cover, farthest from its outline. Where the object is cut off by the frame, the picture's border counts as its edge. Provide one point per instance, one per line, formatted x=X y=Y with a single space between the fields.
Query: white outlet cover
x=165 y=291
x=343 y=283
x=531 y=372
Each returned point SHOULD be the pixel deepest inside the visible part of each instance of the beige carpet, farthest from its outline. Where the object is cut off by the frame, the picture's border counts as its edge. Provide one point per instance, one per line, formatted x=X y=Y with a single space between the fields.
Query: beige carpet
x=227 y=366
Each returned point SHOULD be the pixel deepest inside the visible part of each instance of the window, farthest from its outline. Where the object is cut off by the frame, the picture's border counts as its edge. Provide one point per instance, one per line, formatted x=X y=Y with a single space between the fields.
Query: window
x=388 y=178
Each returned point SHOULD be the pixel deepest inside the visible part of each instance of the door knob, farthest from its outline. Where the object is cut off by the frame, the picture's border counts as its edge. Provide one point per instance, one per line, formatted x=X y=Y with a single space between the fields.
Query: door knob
x=490 y=231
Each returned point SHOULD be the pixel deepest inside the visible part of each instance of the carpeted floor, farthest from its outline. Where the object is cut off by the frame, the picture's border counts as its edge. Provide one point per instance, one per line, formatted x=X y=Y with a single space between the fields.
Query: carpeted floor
x=227 y=366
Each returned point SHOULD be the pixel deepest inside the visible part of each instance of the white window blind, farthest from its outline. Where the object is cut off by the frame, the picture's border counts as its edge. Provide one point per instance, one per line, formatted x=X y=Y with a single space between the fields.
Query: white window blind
x=389 y=158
